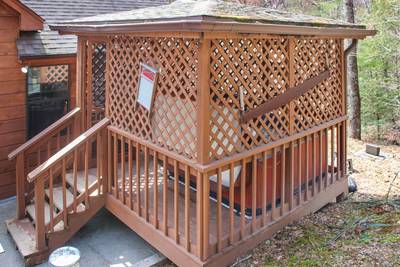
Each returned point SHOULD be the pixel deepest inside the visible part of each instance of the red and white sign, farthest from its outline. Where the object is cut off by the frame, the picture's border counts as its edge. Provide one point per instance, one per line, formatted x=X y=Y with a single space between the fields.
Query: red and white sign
x=147 y=81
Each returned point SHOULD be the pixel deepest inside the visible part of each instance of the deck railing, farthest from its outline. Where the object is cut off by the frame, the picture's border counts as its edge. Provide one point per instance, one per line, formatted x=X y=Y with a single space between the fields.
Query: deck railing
x=38 y=149
x=206 y=209
x=69 y=167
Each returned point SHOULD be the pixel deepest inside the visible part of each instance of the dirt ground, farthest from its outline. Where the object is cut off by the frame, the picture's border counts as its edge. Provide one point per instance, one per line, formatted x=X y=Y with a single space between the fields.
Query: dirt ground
x=364 y=230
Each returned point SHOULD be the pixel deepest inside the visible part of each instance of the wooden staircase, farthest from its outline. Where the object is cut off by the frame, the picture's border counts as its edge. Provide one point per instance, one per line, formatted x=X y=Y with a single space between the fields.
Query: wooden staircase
x=68 y=189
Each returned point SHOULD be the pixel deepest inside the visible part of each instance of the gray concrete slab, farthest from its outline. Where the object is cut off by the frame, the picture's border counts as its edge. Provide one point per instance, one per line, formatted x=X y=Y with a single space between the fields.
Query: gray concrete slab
x=104 y=241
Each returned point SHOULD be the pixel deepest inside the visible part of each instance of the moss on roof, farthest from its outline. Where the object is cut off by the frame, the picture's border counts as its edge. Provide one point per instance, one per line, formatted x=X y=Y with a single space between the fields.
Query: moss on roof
x=217 y=10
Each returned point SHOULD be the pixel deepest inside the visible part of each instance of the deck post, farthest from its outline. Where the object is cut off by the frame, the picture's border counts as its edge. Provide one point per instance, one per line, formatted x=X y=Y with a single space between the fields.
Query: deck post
x=39 y=210
x=203 y=106
x=20 y=185
x=104 y=160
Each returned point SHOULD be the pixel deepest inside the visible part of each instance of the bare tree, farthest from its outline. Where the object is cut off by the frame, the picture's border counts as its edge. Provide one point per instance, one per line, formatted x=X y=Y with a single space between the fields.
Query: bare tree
x=353 y=89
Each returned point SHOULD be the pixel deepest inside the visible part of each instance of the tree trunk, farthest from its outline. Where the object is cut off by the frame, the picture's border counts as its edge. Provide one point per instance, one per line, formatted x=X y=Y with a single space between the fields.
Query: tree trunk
x=353 y=89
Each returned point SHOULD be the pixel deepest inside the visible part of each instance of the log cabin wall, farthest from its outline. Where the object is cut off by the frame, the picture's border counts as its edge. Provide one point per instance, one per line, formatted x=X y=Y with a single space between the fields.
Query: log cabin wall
x=13 y=117
x=12 y=98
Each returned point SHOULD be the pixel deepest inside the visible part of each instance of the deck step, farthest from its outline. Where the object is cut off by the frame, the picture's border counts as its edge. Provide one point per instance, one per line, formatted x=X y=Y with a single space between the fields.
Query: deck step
x=80 y=184
x=58 y=199
x=31 y=210
x=23 y=234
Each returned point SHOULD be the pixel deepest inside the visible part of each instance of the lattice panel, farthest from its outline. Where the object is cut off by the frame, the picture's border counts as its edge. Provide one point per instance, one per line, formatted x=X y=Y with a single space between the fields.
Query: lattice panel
x=258 y=67
x=172 y=122
x=55 y=73
x=98 y=72
x=324 y=102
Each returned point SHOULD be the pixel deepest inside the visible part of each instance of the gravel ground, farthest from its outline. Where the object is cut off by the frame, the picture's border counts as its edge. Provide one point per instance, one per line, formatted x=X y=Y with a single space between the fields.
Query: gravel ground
x=364 y=230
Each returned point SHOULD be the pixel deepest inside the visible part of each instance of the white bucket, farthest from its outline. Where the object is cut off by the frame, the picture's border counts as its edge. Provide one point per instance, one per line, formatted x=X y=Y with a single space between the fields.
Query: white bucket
x=65 y=257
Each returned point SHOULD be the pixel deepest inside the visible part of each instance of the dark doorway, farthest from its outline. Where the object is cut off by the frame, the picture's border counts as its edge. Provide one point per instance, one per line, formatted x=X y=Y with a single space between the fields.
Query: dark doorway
x=47 y=96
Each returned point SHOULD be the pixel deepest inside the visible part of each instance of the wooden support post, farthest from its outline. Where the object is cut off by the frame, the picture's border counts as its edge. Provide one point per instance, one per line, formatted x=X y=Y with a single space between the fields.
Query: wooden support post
x=81 y=83
x=104 y=161
x=39 y=210
x=203 y=96
x=20 y=185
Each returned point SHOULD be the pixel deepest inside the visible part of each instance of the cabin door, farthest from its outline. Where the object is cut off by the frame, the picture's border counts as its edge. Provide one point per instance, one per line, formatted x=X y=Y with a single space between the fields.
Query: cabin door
x=48 y=96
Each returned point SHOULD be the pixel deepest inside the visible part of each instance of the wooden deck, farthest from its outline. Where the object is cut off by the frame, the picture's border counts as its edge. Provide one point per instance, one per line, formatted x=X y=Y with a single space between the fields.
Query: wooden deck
x=170 y=201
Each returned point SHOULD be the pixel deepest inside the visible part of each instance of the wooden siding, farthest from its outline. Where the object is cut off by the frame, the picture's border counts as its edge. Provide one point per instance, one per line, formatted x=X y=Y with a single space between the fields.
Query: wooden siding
x=13 y=94
x=12 y=99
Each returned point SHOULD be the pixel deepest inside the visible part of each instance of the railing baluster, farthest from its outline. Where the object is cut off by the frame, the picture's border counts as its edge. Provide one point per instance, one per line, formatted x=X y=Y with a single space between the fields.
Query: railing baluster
x=291 y=173
x=307 y=151
x=242 y=199
x=283 y=179
x=332 y=154
x=320 y=162
x=264 y=188
x=39 y=210
x=39 y=161
x=254 y=194
x=274 y=183
x=231 y=204
x=338 y=157
x=165 y=196
x=146 y=183
x=219 y=210
x=109 y=162
x=199 y=214
x=130 y=174
x=64 y=192
x=98 y=160
x=176 y=201
x=51 y=199
x=68 y=135
x=75 y=179
x=326 y=158
x=48 y=149
x=299 y=169
x=115 y=165
x=314 y=164
x=86 y=175
x=58 y=141
x=138 y=179
x=155 y=189
x=123 y=176
x=206 y=214
x=187 y=207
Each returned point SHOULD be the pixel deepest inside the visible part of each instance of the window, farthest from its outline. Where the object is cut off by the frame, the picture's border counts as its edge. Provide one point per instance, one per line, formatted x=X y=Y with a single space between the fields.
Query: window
x=47 y=96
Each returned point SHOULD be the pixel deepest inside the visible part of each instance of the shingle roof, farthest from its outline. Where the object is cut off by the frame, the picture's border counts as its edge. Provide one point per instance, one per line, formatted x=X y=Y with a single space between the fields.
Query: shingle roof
x=210 y=15
x=217 y=9
x=50 y=43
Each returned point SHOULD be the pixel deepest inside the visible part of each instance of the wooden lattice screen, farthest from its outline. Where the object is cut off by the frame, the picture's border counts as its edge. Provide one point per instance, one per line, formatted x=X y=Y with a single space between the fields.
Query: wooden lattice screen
x=98 y=81
x=54 y=73
x=263 y=69
x=172 y=123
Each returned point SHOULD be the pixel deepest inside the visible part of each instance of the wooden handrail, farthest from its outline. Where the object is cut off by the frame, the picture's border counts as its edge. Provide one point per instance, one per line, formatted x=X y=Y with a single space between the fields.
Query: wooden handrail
x=45 y=166
x=248 y=153
x=43 y=134
x=285 y=98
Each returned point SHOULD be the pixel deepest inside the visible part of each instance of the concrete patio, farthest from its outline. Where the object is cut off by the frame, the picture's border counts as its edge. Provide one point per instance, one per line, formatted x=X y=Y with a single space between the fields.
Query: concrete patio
x=104 y=241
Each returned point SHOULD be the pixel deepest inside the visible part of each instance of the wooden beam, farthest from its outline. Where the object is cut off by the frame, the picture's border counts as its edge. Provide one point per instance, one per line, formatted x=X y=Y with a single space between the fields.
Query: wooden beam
x=285 y=97
x=203 y=106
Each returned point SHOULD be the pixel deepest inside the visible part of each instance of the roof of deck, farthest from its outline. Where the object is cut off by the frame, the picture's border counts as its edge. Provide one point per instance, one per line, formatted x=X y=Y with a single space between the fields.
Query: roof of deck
x=212 y=16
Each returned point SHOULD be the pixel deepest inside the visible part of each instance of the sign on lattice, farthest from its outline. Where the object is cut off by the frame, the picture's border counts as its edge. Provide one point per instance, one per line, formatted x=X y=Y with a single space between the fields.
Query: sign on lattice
x=172 y=124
